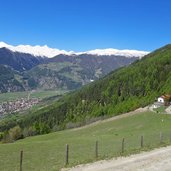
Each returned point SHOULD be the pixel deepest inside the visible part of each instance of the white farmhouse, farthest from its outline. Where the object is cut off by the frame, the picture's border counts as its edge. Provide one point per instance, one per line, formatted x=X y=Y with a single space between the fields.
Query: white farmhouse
x=160 y=99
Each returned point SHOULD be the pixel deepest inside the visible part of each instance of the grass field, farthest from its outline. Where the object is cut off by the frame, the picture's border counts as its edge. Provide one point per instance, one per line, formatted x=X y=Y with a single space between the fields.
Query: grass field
x=34 y=94
x=47 y=152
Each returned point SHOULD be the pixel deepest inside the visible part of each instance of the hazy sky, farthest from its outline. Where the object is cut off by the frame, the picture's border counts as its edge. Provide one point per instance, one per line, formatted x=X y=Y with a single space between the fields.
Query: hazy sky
x=82 y=25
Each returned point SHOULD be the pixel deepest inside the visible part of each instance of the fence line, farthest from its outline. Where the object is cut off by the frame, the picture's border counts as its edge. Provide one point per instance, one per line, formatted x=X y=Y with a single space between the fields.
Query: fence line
x=123 y=147
x=130 y=146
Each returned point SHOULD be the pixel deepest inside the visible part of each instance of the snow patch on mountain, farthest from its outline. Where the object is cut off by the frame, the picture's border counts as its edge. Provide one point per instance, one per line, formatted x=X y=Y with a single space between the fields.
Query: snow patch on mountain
x=45 y=51
x=36 y=50
x=126 y=53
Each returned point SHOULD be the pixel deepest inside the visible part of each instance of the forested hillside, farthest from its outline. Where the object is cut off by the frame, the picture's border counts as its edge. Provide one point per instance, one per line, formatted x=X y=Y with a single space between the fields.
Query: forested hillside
x=72 y=72
x=65 y=72
x=8 y=80
x=123 y=90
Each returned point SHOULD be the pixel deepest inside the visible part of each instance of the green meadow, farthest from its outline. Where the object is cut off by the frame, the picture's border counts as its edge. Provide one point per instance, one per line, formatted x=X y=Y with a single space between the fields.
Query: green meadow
x=47 y=152
x=12 y=96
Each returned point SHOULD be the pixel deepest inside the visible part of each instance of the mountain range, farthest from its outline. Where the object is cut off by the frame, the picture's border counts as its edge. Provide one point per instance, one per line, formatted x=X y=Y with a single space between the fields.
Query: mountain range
x=120 y=91
x=51 y=52
x=33 y=67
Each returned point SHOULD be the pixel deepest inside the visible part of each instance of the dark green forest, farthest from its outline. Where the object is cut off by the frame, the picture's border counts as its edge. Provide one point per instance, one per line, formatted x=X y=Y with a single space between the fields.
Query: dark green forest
x=123 y=90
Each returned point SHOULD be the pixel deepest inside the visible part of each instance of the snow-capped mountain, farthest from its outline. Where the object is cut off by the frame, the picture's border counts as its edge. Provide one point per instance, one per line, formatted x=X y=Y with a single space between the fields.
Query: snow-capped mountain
x=126 y=52
x=48 y=68
x=20 y=61
x=35 y=50
x=51 y=52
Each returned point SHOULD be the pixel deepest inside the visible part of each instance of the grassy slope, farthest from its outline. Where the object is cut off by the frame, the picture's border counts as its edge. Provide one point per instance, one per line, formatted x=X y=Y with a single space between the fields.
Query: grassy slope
x=46 y=152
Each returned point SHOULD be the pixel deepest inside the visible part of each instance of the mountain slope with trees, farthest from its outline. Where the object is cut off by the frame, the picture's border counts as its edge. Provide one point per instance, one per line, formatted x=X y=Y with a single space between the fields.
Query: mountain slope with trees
x=123 y=90
x=8 y=80
x=60 y=72
x=72 y=72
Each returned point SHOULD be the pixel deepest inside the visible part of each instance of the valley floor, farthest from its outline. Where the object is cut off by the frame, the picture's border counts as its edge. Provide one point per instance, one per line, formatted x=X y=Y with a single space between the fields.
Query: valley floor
x=156 y=160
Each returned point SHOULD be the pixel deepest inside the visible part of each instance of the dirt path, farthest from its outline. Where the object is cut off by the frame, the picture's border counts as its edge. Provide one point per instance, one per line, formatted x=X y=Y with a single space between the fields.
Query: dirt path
x=156 y=160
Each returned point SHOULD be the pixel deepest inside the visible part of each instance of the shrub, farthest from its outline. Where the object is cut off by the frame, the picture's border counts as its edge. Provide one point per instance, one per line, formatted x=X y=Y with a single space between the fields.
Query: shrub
x=29 y=132
x=15 y=133
x=6 y=138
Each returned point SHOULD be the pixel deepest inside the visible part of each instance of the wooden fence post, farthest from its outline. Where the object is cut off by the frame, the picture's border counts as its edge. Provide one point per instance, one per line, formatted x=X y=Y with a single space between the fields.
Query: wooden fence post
x=21 y=160
x=96 y=149
x=142 y=141
x=123 y=145
x=67 y=155
x=161 y=137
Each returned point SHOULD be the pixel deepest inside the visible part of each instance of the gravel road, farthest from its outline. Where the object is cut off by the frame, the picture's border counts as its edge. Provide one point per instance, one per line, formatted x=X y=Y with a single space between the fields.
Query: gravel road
x=156 y=160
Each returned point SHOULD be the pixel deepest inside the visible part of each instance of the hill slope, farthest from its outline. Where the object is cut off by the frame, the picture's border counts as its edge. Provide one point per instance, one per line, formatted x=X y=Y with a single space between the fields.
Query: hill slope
x=123 y=90
x=74 y=71
x=8 y=80
x=47 y=152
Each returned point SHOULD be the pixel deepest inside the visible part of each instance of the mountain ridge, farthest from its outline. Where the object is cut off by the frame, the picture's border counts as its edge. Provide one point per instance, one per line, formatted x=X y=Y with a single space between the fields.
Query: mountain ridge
x=19 y=61
x=45 y=51
x=60 y=72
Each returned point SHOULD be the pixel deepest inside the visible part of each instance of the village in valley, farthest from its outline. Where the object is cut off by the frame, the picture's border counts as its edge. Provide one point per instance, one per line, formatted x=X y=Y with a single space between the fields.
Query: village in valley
x=162 y=104
x=17 y=105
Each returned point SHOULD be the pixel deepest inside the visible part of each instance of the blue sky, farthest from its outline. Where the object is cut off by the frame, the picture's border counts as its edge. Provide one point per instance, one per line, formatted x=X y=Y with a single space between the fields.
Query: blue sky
x=82 y=25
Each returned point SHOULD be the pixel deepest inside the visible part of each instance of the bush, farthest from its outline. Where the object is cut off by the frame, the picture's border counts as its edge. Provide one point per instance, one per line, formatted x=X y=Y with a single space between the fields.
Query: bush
x=29 y=132
x=6 y=138
x=41 y=128
x=15 y=133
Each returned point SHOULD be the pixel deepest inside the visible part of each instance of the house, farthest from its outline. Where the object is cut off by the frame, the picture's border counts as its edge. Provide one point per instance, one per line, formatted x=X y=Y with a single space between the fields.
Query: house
x=165 y=99
x=160 y=99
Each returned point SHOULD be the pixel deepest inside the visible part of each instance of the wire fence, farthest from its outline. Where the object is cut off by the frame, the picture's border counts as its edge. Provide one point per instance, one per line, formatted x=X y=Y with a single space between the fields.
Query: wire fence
x=102 y=148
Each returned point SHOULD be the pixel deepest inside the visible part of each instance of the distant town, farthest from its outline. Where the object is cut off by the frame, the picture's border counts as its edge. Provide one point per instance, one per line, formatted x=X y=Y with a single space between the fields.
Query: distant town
x=17 y=106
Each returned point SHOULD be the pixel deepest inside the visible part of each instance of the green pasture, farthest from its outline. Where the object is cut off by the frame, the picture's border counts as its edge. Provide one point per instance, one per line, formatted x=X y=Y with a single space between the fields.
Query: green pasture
x=47 y=152
x=12 y=96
